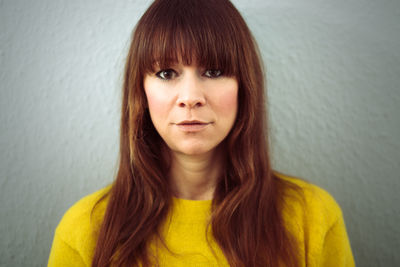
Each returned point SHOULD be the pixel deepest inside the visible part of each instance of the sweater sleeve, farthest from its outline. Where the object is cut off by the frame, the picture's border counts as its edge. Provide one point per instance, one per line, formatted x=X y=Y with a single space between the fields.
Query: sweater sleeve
x=62 y=254
x=76 y=235
x=328 y=241
x=316 y=220
x=336 y=250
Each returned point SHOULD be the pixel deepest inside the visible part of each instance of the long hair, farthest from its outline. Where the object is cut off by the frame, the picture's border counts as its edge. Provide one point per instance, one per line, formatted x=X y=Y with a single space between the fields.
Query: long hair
x=247 y=221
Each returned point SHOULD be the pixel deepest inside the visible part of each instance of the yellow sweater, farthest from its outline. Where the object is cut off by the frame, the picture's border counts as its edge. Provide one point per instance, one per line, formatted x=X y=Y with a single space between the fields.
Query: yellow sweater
x=318 y=225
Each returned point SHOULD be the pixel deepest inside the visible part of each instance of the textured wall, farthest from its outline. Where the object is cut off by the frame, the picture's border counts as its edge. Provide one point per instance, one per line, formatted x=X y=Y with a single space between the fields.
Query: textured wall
x=333 y=77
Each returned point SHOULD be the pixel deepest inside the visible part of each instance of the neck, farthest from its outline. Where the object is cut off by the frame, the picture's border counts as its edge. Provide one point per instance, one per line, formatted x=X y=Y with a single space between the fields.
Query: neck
x=195 y=176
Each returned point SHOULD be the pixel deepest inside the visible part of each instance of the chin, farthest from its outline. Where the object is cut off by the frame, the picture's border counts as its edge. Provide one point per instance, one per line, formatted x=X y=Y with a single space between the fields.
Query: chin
x=194 y=150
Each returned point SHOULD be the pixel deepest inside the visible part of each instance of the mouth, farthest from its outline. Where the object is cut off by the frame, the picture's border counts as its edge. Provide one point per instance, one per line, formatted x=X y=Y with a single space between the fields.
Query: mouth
x=194 y=122
x=192 y=126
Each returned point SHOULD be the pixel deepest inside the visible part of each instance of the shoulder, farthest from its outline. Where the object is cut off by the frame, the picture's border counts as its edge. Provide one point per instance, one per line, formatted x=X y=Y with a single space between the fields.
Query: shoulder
x=82 y=220
x=315 y=219
x=310 y=201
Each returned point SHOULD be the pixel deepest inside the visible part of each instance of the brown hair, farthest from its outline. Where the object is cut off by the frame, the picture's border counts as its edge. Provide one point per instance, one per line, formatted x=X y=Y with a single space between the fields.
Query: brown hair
x=247 y=221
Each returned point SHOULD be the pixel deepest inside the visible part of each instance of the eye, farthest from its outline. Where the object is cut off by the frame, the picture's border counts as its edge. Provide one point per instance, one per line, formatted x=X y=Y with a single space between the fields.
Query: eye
x=167 y=74
x=213 y=73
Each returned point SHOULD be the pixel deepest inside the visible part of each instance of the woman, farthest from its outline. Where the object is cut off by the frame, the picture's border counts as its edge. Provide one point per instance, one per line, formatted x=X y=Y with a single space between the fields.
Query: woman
x=195 y=185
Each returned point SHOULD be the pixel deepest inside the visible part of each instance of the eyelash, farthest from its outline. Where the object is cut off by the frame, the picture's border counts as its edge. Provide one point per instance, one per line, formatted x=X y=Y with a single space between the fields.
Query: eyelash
x=215 y=73
x=161 y=73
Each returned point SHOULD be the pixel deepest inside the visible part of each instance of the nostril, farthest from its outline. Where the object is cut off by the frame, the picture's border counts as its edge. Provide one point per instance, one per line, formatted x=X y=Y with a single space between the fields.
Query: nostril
x=196 y=103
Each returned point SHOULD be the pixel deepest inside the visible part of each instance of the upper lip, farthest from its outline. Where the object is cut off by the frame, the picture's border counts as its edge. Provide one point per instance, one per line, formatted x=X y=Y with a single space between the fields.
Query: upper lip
x=191 y=122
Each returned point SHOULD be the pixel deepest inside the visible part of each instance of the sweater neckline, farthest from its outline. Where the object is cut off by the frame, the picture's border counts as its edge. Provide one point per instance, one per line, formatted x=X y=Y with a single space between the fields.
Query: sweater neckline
x=189 y=211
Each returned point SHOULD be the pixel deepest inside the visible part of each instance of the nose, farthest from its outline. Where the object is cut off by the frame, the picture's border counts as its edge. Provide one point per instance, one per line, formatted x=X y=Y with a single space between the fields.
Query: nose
x=191 y=93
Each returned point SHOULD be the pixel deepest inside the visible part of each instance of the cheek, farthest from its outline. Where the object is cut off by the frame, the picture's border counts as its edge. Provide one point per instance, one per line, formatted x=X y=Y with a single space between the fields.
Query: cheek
x=156 y=105
x=228 y=102
x=157 y=100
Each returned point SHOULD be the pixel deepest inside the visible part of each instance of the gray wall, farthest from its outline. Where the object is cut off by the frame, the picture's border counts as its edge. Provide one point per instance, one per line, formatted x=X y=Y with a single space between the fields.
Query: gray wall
x=333 y=81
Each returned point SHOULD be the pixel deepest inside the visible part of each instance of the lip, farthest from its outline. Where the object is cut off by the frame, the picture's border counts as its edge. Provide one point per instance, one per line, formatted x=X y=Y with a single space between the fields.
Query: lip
x=192 y=126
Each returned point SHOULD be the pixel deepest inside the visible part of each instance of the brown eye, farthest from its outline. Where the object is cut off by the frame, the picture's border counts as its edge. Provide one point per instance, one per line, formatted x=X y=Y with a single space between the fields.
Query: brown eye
x=167 y=74
x=213 y=73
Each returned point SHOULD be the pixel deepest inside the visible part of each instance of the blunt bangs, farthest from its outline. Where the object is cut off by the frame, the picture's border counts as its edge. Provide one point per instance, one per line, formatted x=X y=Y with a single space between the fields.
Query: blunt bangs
x=190 y=32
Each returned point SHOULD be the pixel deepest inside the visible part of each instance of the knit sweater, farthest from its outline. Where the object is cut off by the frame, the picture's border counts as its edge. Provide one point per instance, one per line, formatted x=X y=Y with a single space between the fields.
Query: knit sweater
x=317 y=224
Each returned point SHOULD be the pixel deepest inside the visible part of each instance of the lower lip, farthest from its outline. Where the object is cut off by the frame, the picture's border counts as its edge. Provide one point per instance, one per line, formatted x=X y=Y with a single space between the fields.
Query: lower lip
x=192 y=127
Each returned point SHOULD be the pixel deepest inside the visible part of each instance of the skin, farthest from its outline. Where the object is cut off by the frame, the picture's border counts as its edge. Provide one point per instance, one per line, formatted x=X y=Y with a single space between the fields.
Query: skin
x=193 y=110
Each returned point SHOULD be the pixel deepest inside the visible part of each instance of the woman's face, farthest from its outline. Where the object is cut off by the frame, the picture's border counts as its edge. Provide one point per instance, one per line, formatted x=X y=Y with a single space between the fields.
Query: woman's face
x=192 y=108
